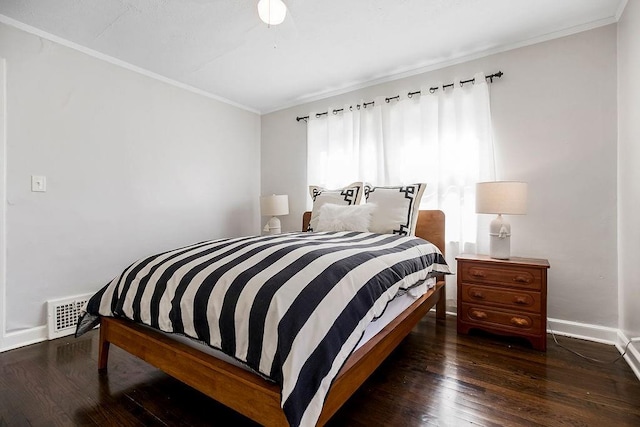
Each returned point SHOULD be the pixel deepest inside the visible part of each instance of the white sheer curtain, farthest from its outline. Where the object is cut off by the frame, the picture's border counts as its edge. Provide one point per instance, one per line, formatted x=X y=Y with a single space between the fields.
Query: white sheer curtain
x=442 y=138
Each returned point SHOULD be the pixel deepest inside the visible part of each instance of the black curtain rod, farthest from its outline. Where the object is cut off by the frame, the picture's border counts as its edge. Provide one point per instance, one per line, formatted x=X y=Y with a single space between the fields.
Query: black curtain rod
x=490 y=77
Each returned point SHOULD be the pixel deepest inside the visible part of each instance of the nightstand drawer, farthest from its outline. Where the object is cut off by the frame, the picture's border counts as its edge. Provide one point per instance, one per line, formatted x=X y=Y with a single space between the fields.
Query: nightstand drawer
x=516 y=300
x=499 y=319
x=523 y=277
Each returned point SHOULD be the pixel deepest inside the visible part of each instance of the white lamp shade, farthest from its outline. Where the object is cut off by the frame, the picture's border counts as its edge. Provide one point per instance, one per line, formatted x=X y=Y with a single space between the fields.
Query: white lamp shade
x=274 y=205
x=501 y=197
x=272 y=12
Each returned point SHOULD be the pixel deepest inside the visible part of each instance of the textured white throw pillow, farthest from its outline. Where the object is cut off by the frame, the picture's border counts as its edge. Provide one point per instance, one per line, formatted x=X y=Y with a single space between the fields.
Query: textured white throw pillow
x=398 y=207
x=349 y=195
x=344 y=218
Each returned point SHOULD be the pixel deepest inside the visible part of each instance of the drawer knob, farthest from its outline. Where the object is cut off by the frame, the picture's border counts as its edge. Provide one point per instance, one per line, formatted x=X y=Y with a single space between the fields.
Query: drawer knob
x=478 y=273
x=479 y=314
x=477 y=295
x=521 y=300
x=519 y=321
x=521 y=279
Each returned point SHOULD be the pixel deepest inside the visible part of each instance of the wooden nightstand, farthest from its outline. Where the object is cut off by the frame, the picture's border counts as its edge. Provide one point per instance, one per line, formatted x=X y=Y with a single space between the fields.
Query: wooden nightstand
x=507 y=297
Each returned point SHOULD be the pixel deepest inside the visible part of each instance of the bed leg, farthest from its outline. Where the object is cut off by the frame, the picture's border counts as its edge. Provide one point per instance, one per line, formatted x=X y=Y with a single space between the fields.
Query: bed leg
x=441 y=305
x=103 y=348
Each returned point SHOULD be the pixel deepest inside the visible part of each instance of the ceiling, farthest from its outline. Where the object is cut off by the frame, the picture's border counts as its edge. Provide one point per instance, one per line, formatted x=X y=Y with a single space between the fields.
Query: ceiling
x=323 y=47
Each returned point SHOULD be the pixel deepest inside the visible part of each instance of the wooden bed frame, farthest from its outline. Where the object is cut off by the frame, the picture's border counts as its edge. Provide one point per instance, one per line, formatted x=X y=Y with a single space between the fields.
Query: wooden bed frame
x=247 y=392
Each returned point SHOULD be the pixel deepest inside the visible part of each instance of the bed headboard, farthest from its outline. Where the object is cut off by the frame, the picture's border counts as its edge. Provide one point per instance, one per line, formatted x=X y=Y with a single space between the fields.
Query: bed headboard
x=430 y=226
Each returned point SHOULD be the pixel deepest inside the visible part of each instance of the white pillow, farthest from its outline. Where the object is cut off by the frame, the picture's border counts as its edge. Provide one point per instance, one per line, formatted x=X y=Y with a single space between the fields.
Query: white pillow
x=344 y=218
x=397 y=208
x=346 y=196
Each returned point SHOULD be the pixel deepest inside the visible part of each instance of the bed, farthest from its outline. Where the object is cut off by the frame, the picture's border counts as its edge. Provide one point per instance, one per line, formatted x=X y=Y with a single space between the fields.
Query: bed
x=258 y=397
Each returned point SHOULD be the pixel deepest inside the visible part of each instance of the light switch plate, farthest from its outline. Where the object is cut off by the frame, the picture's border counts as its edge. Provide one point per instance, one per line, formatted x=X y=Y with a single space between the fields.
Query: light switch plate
x=38 y=183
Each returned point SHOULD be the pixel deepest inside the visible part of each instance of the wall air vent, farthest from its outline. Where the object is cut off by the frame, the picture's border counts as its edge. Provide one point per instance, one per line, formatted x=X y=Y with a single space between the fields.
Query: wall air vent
x=63 y=314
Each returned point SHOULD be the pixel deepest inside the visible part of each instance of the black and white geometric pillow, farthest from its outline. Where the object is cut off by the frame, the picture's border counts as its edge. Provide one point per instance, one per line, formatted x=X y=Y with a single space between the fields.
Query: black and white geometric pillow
x=397 y=208
x=349 y=195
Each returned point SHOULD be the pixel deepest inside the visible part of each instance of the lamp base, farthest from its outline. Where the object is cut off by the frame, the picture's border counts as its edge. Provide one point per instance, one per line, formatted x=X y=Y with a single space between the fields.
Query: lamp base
x=499 y=238
x=273 y=226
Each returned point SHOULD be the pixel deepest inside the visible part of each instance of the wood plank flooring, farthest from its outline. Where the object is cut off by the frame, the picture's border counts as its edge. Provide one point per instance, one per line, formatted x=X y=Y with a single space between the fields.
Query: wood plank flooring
x=434 y=378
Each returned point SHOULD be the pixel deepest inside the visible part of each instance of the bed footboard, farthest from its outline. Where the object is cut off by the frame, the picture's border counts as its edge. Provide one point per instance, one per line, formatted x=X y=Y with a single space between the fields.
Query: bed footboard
x=230 y=385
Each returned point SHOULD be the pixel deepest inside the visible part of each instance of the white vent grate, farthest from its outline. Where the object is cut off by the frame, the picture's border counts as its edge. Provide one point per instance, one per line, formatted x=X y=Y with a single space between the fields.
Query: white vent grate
x=63 y=315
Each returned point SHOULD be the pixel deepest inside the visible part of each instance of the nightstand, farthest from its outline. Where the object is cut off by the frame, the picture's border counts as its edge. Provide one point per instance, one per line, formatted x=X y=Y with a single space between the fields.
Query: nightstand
x=506 y=297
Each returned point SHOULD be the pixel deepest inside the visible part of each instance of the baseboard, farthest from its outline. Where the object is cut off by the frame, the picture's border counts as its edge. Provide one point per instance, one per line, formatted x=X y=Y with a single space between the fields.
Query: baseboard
x=12 y=340
x=583 y=331
x=600 y=334
x=633 y=355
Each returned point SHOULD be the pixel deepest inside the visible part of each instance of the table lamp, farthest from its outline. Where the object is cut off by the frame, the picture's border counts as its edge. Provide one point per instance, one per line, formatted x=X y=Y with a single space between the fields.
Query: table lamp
x=274 y=206
x=502 y=198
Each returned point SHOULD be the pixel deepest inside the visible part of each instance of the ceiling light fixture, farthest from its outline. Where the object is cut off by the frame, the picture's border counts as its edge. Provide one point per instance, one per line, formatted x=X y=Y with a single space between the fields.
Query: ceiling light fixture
x=272 y=12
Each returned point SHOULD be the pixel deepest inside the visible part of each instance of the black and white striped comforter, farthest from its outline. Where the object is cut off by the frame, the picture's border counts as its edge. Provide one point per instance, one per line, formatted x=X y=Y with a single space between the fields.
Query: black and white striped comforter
x=292 y=307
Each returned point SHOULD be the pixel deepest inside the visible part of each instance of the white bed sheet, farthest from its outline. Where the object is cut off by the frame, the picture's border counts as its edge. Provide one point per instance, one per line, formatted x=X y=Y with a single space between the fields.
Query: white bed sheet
x=394 y=308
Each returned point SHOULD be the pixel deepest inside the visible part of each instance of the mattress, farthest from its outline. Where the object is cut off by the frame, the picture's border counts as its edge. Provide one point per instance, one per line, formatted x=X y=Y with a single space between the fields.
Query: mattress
x=394 y=308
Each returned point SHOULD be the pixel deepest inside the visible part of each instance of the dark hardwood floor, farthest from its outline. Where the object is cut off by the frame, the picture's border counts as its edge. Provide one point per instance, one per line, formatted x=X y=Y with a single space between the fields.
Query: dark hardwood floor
x=434 y=378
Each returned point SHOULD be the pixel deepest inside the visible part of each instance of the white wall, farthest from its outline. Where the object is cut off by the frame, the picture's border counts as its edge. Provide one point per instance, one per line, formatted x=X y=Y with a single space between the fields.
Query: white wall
x=134 y=166
x=629 y=169
x=554 y=114
x=3 y=205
